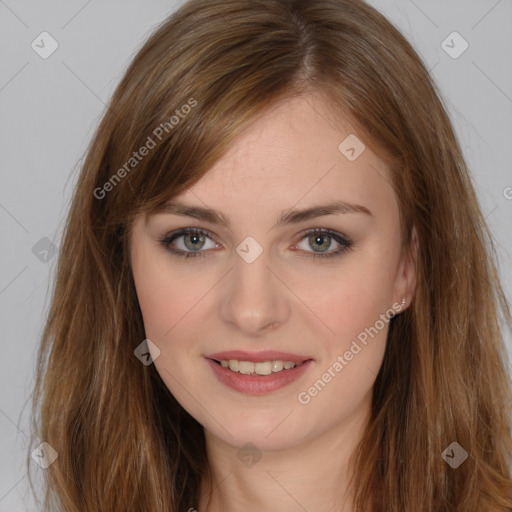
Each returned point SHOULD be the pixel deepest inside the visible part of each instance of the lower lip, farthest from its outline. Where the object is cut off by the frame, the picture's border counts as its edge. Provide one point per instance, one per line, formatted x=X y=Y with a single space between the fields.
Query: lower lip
x=258 y=384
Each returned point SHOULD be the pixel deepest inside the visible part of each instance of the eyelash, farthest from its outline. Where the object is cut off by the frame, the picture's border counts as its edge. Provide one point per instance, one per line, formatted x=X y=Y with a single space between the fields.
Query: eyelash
x=344 y=241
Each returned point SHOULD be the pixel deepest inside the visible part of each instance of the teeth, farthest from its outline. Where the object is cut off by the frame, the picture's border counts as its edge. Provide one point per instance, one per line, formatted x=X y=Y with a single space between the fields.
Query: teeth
x=245 y=367
x=263 y=368
x=277 y=366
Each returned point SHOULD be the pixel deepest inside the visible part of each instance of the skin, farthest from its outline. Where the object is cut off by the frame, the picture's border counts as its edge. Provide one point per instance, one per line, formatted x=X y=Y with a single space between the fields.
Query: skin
x=285 y=300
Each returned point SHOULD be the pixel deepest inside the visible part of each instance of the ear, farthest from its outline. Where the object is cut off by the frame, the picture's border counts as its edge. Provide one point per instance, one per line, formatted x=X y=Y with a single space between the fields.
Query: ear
x=405 y=285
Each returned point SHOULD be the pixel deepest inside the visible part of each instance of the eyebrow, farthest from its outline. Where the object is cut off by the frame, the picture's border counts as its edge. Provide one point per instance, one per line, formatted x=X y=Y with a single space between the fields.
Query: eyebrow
x=287 y=217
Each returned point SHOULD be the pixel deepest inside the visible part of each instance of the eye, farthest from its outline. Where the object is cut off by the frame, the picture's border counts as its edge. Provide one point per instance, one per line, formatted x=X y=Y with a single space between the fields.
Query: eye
x=322 y=239
x=193 y=242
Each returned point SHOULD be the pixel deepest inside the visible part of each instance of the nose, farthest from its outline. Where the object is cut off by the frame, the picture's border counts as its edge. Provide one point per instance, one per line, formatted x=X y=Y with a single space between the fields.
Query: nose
x=254 y=298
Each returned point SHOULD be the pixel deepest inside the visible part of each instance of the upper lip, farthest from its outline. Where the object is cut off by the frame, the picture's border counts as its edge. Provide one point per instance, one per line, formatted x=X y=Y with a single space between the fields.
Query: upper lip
x=258 y=357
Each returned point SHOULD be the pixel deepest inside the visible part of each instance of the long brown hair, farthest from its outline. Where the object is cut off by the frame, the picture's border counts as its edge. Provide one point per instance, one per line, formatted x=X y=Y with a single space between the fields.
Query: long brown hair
x=123 y=441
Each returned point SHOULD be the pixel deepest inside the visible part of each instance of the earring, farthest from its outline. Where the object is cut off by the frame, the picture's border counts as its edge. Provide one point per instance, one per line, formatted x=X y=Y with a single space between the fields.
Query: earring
x=403 y=302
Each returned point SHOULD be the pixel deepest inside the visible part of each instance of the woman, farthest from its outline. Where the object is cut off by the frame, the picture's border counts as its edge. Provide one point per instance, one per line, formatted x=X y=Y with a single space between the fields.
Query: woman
x=276 y=289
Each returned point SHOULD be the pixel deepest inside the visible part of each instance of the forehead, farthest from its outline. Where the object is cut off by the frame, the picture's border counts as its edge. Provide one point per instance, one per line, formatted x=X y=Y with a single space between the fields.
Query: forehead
x=295 y=152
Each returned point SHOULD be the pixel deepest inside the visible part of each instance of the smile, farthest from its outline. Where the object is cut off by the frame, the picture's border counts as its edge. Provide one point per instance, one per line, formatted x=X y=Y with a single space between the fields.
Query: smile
x=258 y=378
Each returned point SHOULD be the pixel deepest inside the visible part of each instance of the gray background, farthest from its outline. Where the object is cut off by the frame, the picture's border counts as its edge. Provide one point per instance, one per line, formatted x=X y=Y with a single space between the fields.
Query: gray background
x=50 y=107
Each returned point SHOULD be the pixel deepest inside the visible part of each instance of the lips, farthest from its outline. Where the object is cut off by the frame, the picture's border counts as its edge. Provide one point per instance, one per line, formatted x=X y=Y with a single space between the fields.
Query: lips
x=258 y=357
x=238 y=369
x=258 y=384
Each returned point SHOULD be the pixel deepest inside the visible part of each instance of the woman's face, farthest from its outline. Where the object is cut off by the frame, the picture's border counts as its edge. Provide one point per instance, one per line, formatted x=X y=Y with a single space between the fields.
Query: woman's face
x=262 y=282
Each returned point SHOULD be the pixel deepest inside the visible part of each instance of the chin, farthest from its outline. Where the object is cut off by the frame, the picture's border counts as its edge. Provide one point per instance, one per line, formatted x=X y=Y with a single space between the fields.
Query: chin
x=275 y=432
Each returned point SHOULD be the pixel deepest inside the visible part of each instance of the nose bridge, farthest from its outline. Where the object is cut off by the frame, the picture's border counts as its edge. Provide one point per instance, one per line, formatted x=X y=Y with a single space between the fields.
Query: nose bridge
x=254 y=277
x=255 y=298
x=251 y=269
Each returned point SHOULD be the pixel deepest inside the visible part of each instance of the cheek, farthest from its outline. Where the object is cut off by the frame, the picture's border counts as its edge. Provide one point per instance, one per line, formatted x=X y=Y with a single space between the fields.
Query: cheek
x=348 y=298
x=163 y=297
x=354 y=302
x=360 y=326
x=155 y=297
x=358 y=313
